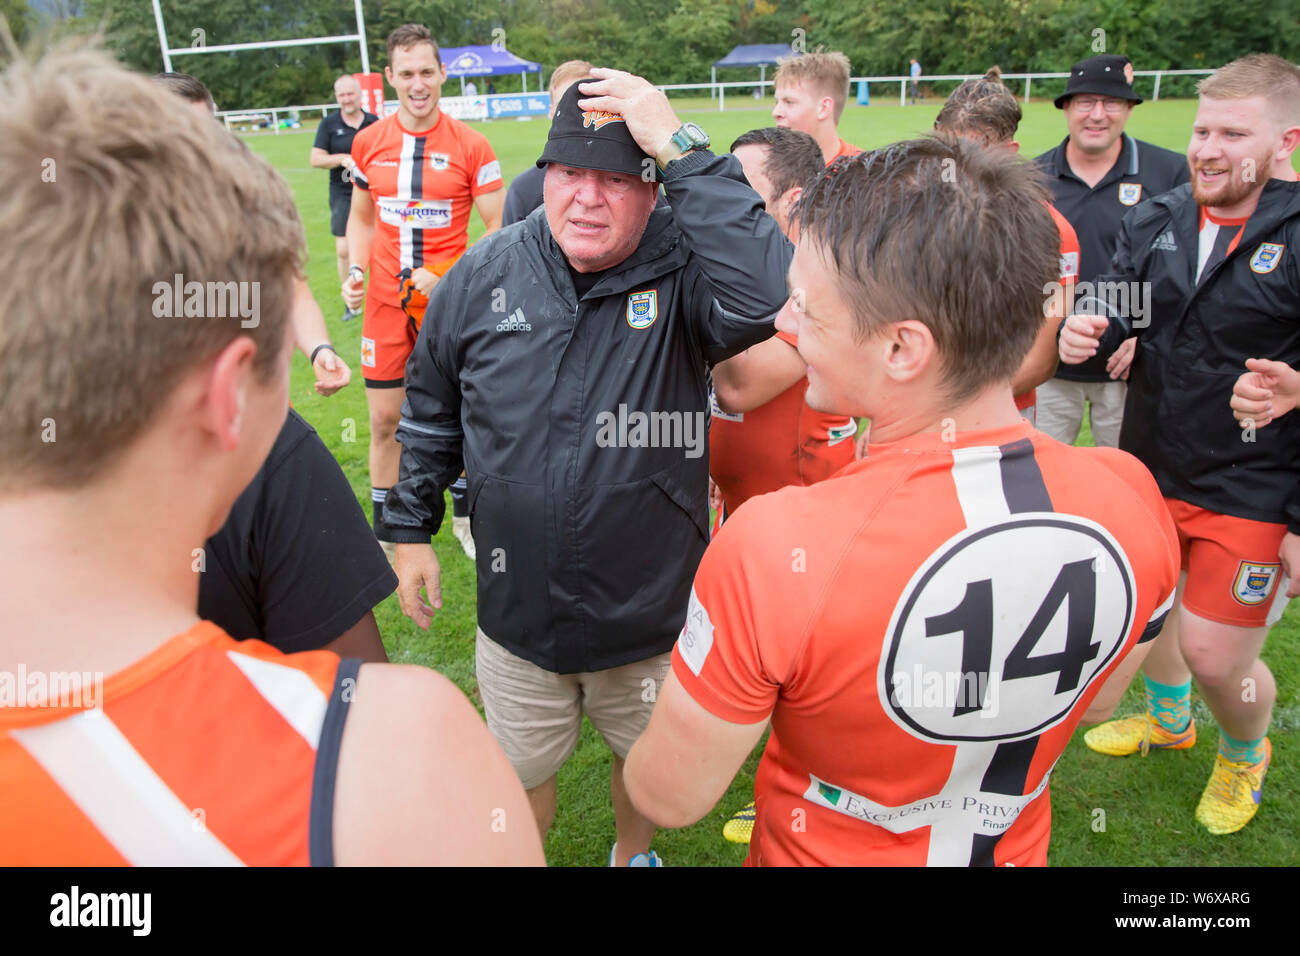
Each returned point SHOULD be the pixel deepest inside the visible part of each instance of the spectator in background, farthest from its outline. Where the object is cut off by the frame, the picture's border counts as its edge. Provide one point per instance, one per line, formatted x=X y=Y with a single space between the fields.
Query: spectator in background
x=525 y=192
x=1098 y=175
x=811 y=91
x=916 y=81
x=332 y=150
x=491 y=87
x=470 y=88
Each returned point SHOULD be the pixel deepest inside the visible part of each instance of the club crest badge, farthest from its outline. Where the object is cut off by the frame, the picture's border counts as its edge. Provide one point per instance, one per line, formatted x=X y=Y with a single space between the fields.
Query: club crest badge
x=1266 y=257
x=642 y=309
x=1254 y=583
x=1130 y=193
x=439 y=162
x=368 y=352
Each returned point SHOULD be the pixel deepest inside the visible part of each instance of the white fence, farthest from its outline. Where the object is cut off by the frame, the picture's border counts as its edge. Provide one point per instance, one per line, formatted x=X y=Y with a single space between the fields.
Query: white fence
x=718 y=91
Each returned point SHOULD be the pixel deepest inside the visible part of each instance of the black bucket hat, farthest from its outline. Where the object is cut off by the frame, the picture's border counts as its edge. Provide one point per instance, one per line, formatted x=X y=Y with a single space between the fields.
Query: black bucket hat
x=1105 y=75
x=592 y=139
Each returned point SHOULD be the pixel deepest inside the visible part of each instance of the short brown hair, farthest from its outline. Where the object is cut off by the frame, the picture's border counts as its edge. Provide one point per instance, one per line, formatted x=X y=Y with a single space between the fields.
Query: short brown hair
x=1260 y=74
x=410 y=34
x=113 y=186
x=940 y=231
x=983 y=107
x=791 y=159
x=189 y=88
x=827 y=73
x=567 y=73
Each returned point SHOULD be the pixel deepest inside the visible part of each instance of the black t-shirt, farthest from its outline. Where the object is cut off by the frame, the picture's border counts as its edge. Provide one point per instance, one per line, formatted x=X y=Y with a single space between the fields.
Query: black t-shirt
x=1141 y=172
x=296 y=563
x=335 y=136
x=584 y=282
x=524 y=195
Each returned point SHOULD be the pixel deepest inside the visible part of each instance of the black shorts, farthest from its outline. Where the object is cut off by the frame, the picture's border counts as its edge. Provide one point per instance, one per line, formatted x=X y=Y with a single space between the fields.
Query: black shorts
x=340 y=205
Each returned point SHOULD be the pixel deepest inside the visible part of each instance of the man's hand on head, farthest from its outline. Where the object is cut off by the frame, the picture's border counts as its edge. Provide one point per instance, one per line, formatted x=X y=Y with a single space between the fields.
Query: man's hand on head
x=649 y=116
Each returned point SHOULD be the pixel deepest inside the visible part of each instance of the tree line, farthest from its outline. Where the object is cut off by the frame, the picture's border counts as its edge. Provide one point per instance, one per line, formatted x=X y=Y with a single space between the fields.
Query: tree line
x=676 y=41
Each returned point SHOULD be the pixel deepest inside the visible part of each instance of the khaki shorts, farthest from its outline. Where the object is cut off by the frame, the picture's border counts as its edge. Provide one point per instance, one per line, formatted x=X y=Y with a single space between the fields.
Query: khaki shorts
x=536 y=715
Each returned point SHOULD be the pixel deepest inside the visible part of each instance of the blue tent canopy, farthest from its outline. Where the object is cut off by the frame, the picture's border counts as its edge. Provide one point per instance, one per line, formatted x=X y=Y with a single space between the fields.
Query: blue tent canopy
x=758 y=54
x=484 y=61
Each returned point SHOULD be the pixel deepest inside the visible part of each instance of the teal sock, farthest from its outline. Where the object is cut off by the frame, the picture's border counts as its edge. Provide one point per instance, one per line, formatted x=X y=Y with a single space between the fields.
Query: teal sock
x=1241 y=751
x=1169 y=704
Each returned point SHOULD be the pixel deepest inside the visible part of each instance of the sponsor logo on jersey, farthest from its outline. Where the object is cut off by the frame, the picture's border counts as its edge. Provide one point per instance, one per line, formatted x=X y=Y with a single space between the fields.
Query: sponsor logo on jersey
x=416 y=213
x=439 y=162
x=368 y=352
x=1266 y=257
x=385 y=162
x=642 y=309
x=489 y=172
x=598 y=118
x=1130 y=193
x=515 y=322
x=1069 y=265
x=1254 y=582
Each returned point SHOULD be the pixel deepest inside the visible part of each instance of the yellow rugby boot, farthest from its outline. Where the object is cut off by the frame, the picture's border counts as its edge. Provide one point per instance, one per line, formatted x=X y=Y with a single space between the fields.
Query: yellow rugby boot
x=1232 y=796
x=1137 y=733
x=739 y=828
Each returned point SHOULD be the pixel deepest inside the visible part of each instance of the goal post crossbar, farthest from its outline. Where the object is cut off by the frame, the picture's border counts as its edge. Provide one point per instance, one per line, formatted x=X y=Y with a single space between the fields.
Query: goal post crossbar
x=168 y=52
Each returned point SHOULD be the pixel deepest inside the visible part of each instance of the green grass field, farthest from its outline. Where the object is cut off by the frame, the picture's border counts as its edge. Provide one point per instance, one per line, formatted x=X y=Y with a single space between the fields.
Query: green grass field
x=1148 y=803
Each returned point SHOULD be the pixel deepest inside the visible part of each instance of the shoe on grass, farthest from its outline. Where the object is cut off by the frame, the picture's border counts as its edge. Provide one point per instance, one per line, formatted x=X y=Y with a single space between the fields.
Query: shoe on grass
x=1231 y=798
x=1137 y=733
x=741 y=826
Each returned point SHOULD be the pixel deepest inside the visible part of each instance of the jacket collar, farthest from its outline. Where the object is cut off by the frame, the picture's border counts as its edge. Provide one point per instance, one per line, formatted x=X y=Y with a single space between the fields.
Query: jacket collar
x=660 y=252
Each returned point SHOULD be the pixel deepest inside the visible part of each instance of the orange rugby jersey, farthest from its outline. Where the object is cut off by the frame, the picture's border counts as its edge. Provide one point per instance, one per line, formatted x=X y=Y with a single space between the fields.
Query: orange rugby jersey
x=850 y=610
x=1069 y=275
x=782 y=442
x=207 y=751
x=423 y=186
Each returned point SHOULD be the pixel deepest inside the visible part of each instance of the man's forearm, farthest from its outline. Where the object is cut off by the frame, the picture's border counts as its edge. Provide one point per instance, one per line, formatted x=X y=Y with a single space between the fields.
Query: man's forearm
x=309 y=323
x=360 y=237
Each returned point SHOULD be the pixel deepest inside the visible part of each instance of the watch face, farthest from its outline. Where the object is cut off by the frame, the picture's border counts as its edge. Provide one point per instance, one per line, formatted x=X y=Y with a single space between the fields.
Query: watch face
x=696 y=135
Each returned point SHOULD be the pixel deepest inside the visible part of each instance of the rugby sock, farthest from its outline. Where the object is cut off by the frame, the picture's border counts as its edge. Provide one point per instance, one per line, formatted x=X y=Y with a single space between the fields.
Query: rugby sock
x=1169 y=704
x=1241 y=751
x=460 y=498
x=377 y=496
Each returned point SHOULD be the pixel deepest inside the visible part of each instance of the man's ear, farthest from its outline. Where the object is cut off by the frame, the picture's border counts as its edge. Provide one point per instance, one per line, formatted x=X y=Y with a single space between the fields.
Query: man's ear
x=910 y=350
x=225 y=392
x=1013 y=146
x=826 y=107
x=787 y=202
x=388 y=75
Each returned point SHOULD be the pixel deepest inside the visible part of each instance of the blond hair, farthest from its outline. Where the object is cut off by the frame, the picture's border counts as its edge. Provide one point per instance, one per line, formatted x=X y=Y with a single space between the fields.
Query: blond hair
x=113 y=187
x=826 y=73
x=1259 y=74
x=565 y=75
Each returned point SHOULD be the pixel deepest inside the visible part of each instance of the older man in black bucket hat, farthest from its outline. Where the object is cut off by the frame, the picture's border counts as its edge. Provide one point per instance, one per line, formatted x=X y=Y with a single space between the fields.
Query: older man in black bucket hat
x=1098 y=175
x=570 y=380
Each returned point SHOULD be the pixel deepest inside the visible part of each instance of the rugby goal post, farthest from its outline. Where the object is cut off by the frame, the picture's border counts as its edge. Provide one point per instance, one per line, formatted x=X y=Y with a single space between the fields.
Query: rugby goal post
x=202 y=47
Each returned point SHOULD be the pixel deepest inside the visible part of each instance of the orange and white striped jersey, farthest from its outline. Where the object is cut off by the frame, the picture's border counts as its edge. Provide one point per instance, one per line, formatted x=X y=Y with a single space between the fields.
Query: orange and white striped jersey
x=926 y=629
x=208 y=751
x=422 y=186
x=1069 y=276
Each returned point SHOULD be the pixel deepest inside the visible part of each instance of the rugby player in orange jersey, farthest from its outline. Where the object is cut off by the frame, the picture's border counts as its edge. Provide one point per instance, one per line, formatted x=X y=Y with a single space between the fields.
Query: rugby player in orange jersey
x=811 y=91
x=140 y=733
x=985 y=111
x=764 y=436
x=417 y=173
x=967 y=552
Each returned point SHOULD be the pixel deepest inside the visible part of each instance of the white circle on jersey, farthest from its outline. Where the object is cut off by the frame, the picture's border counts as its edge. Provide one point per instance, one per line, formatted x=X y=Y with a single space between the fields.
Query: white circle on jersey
x=1004 y=628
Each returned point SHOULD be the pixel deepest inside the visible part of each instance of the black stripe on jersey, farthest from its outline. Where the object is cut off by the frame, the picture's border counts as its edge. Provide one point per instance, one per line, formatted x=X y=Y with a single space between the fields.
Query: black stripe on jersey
x=320 y=819
x=417 y=193
x=1022 y=481
x=1007 y=773
x=1152 y=630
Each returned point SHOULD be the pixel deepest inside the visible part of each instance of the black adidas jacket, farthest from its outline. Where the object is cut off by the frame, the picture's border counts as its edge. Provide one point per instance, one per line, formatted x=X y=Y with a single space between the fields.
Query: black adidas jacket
x=1177 y=419
x=583 y=425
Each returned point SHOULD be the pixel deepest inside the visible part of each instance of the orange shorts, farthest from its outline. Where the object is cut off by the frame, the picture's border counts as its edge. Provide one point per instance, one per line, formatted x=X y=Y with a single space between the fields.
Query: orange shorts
x=387 y=339
x=1234 y=575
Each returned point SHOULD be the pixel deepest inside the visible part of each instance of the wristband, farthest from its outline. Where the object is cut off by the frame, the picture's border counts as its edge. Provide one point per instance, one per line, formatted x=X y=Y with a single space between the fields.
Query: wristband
x=317 y=349
x=361 y=273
